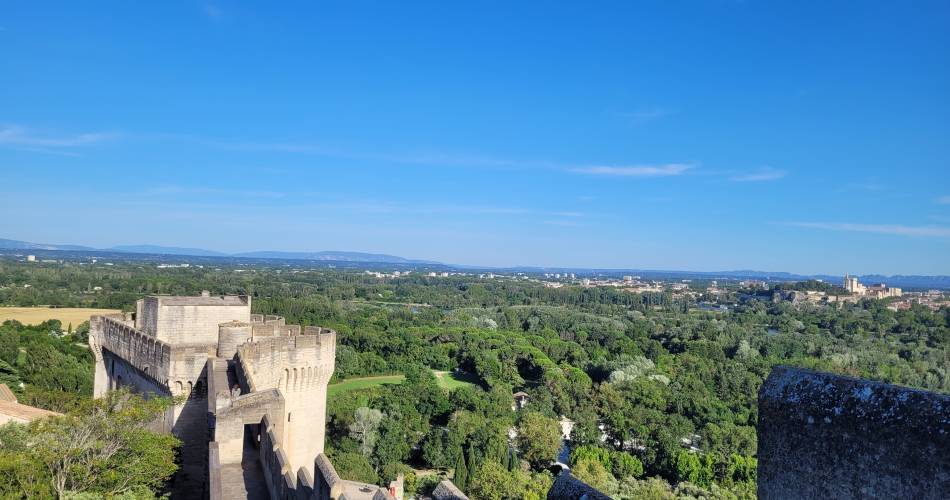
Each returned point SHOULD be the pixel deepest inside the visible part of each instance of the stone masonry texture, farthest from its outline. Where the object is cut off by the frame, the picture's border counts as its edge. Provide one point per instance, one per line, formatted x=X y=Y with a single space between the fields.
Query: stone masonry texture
x=827 y=436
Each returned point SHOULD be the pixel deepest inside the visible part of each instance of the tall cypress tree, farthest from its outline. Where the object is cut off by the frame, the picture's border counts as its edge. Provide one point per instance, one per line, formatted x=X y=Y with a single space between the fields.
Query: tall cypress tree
x=472 y=463
x=461 y=473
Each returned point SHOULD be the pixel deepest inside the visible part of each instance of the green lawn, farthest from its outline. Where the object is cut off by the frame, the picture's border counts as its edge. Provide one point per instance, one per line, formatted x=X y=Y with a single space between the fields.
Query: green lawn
x=447 y=380
x=451 y=380
x=363 y=383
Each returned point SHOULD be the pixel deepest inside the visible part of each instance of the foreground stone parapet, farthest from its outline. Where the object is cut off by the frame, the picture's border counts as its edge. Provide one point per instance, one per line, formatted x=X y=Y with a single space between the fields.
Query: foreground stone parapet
x=446 y=490
x=568 y=487
x=827 y=436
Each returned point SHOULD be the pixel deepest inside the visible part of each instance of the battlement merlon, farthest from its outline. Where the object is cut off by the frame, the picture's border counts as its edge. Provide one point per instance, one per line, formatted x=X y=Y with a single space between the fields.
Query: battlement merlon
x=289 y=362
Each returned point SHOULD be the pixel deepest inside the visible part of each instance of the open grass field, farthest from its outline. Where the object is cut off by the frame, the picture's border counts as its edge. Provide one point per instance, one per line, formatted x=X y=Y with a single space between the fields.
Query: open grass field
x=363 y=383
x=451 y=380
x=37 y=315
x=447 y=381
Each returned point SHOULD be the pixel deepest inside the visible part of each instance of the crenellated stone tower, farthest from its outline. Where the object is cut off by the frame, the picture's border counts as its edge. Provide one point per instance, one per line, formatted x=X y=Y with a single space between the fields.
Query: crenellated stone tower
x=254 y=388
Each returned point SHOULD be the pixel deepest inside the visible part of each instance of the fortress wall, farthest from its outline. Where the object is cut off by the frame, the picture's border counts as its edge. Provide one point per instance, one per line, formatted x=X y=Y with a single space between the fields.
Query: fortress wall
x=219 y=390
x=191 y=427
x=215 y=486
x=146 y=315
x=326 y=482
x=245 y=374
x=151 y=356
x=827 y=436
x=194 y=324
x=186 y=373
x=128 y=357
x=273 y=359
x=281 y=482
x=120 y=373
x=288 y=330
x=230 y=336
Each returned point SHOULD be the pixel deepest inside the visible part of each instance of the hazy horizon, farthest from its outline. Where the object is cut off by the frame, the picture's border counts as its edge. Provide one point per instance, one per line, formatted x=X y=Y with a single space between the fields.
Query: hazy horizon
x=809 y=139
x=125 y=247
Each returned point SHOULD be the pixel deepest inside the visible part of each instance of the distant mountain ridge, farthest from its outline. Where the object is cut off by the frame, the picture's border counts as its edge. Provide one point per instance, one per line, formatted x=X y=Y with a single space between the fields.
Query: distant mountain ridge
x=157 y=249
x=25 y=245
x=337 y=256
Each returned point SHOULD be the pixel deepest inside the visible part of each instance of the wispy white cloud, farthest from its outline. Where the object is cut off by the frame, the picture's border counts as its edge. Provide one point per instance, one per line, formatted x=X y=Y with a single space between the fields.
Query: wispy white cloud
x=895 y=229
x=430 y=158
x=668 y=170
x=15 y=135
x=761 y=175
x=944 y=200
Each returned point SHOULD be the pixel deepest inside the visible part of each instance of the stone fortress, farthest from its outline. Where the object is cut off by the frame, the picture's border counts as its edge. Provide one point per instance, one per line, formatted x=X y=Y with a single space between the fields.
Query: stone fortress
x=253 y=412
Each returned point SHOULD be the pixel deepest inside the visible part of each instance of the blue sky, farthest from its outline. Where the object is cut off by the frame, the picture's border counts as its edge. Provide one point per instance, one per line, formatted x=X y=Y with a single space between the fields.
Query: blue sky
x=783 y=136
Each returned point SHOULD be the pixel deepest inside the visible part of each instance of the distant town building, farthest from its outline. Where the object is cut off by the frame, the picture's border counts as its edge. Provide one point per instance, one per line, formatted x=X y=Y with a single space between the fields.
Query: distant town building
x=852 y=285
x=881 y=291
x=876 y=291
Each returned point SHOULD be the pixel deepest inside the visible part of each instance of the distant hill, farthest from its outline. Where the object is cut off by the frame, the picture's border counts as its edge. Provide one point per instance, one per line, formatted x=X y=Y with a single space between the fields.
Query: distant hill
x=336 y=256
x=160 y=250
x=332 y=255
x=25 y=245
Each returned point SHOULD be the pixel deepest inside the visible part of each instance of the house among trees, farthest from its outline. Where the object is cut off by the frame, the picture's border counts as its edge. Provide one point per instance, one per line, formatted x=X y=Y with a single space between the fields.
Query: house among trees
x=12 y=411
x=520 y=400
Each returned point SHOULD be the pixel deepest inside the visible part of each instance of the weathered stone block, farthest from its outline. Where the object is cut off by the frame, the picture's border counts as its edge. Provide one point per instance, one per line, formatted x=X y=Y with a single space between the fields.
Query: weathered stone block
x=827 y=436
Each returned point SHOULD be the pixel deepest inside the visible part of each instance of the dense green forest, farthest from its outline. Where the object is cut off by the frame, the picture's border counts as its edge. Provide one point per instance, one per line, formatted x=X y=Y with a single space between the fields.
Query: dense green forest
x=662 y=394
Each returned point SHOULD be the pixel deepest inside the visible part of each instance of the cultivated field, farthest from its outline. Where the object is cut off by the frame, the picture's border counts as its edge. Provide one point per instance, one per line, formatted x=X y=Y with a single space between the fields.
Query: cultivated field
x=36 y=315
